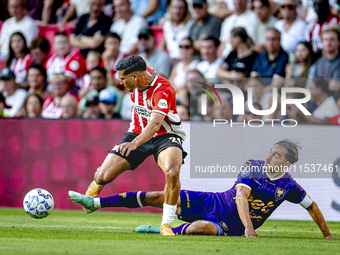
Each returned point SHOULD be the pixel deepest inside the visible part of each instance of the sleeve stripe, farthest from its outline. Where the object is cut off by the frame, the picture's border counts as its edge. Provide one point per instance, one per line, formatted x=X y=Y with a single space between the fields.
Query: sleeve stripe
x=244 y=185
x=306 y=202
x=159 y=112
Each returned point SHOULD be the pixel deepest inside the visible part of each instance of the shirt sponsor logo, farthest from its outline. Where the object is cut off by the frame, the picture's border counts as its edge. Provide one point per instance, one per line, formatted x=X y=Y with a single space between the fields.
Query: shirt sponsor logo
x=163 y=104
x=142 y=111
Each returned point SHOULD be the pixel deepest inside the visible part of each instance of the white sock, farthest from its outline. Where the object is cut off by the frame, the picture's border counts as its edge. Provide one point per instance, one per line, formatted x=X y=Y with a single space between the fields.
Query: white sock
x=96 y=203
x=169 y=212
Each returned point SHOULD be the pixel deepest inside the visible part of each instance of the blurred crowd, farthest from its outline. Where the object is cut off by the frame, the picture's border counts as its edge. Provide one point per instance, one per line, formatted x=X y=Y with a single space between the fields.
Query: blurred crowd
x=260 y=44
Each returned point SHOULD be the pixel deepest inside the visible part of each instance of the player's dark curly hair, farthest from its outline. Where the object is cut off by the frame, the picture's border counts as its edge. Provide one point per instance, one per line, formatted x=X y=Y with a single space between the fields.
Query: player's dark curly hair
x=131 y=64
x=292 y=154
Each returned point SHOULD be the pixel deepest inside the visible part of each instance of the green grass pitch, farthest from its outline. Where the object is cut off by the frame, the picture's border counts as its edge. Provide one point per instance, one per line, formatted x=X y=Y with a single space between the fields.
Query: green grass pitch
x=73 y=232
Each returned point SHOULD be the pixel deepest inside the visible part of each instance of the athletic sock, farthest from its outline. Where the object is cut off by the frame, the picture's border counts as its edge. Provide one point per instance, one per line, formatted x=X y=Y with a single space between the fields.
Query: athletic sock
x=169 y=212
x=180 y=230
x=128 y=199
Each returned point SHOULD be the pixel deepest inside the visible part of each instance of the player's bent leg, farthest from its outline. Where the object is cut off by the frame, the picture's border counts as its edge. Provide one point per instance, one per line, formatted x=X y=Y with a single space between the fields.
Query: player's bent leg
x=170 y=161
x=202 y=227
x=111 y=168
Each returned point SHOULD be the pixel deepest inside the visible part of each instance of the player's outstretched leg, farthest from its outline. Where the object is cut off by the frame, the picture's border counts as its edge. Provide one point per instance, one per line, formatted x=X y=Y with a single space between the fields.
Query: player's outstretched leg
x=200 y=227
x=127 y=200
x=112 y=167
x=170 y=161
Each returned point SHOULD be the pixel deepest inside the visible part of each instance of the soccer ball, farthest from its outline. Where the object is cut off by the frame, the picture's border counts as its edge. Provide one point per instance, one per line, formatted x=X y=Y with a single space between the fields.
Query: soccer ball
x=38 y=203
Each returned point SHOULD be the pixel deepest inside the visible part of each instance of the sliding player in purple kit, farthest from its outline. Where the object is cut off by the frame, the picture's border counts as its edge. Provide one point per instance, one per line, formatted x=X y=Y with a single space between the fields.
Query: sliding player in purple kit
x=237 y=211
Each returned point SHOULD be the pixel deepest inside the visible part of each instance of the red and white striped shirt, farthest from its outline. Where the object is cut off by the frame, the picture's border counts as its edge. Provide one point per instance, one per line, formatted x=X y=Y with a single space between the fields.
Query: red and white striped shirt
x=19 y=66
x=72 y=65
x=314 y=29
x=160 y=97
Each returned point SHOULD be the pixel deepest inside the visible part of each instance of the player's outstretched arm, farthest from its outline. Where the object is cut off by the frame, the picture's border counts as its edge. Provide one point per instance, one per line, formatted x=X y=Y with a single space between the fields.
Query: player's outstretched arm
x=151 y=129
x=317 y=216
x=242 y=195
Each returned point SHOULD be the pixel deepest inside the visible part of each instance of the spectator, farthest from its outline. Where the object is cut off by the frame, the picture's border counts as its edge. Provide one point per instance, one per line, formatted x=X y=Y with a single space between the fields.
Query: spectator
x=243 y=17
x=92 y=109
x=99 y=82
x=36 y=79
x=179 y=71
x=19 y=22
x=210 y=63
x=33 y=106
x=273 y=61
x=336 y=119
x=15 y=96
x=59 y=88
x=3 y=106
x=193 y=79
x=261 y=97
x=291 y=27
x=224 y=111
x=176 y=28
x=69 y=107
x=183 y=113
x=107 y=104
x=205 y=25
x=111 y=56
x=304 y=61
x=125 y=111
x=327 y=107
x=248 y=115
x=154 y=57
x=90 y=31
x=242 y=58
x=324 y=21
x=49 y=10
x=93 y=60
x=151 y=10
x=76 y=9
x=127 y=26
x=34 y=8
x=265 y=20
x=19 y=58
x=328 y=66
x=64 y=60
x=39 y=50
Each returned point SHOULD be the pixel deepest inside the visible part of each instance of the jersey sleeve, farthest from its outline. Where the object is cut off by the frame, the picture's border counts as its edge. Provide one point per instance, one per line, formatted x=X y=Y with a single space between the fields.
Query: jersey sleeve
x=298 y=195
x=245 y=178
x=76 y=67
x=163 y=100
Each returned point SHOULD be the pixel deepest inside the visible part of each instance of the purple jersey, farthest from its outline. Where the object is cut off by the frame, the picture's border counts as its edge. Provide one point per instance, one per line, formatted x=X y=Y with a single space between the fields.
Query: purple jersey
x=265 y=196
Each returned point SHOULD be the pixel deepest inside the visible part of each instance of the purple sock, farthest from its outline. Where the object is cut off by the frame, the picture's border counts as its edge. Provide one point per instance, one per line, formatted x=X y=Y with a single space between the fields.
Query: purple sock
x=181 y=229
x=128 y=199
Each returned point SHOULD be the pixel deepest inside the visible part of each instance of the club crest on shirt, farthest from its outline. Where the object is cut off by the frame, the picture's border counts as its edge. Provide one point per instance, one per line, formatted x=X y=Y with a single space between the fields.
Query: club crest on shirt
x=279 y=193
x=163 y=104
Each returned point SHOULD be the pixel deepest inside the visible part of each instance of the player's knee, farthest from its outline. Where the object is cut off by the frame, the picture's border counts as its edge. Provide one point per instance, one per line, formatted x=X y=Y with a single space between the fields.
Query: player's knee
x=172 y=174
x=196 y=228
x=101 y=177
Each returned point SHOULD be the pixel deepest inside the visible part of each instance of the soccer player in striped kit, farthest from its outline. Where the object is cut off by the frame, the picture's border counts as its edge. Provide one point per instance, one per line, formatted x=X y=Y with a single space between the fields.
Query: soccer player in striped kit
x=155 y=130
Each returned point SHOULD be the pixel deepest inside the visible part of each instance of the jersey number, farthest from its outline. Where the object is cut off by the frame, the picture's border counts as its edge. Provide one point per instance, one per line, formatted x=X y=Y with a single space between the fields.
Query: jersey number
x=176 y=140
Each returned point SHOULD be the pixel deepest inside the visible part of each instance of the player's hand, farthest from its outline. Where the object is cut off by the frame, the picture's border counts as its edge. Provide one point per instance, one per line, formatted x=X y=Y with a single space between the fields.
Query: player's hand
x=331 y=237
x=250 y=232
x=126 y=148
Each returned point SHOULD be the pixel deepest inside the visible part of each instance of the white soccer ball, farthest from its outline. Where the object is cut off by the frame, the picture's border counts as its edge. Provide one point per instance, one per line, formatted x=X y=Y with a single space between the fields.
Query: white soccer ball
x=38 y=203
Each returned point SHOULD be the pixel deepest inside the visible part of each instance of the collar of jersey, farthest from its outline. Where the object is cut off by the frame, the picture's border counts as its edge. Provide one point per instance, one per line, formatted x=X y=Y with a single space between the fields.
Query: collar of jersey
x=276 y=177
x=155 y=76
